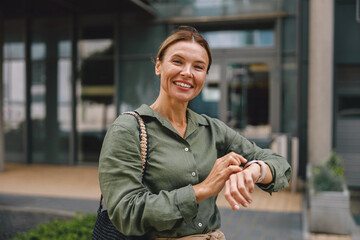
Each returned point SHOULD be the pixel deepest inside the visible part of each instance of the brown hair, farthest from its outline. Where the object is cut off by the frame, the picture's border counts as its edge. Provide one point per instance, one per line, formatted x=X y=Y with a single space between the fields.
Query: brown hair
x=185 y=33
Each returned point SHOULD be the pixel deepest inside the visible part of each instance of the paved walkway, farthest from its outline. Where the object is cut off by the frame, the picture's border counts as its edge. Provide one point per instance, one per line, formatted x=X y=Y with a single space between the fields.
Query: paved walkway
x=46 y=192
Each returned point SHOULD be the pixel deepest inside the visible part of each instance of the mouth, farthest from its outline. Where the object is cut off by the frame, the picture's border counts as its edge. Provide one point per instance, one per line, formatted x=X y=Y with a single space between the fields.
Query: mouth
x=184 y=85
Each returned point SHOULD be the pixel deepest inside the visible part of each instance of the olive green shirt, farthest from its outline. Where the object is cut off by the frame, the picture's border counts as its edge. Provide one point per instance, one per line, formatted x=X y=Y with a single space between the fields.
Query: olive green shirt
x=163 y=203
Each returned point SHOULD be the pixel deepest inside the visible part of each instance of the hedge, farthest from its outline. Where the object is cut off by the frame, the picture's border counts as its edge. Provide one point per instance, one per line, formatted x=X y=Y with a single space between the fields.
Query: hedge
x=78 y=228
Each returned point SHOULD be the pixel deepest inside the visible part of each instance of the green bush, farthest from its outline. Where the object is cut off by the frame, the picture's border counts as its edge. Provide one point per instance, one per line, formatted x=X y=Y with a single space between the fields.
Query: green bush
x=329 y=176
x=78 y=228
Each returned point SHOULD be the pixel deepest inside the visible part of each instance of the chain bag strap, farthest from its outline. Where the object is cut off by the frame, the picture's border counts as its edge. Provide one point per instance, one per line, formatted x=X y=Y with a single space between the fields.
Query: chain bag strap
x=104 y=229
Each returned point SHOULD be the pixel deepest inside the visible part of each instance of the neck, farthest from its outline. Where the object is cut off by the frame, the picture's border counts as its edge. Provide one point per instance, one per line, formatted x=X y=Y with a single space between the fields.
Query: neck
x=170 y=109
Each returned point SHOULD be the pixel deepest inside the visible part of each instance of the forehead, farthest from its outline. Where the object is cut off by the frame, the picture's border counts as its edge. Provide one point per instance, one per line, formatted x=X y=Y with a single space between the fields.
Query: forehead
x=187 y=49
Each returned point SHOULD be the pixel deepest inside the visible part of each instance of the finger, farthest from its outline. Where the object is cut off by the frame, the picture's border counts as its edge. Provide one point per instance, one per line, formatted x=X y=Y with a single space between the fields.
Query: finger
x=249 y=181
x=234 y=191
x=242 y=159
x=233 y=161
x=239 y=158
x=234 y=205
x=242 y=186
x=232 y=169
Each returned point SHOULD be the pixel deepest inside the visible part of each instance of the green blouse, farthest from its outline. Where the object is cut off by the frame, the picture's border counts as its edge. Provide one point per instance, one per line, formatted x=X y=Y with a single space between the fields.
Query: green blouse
x=164 y=204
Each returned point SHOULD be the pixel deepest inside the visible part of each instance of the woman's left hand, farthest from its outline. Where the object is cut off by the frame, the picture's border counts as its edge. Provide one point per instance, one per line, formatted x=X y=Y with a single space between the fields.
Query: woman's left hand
x=240 y=185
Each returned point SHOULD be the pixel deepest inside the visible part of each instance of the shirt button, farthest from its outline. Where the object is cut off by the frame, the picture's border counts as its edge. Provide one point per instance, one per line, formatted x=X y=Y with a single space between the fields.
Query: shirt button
x=186 y=149
x=200 y=224
x=193 y=174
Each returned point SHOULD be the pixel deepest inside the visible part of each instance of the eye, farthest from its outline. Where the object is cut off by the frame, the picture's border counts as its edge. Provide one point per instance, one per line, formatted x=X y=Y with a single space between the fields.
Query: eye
x=199 y=67
x=176 y=61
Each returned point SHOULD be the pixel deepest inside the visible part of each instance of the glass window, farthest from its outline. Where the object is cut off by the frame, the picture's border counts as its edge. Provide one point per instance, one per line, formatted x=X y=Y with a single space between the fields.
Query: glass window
x=140 y=86
x=51 y=90
x=239 y=38
x=207 y=102
x=348 y=88
x=248 y=102
x=95 y=87
x=212 y=8
x=14 y=50
x=14 y=91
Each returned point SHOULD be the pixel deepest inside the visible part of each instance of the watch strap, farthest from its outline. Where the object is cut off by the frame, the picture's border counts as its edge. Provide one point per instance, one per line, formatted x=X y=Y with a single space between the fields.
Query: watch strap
x=262 y=165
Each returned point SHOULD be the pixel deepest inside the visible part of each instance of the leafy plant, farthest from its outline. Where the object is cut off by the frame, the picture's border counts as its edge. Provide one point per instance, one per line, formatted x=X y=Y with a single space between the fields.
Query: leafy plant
x=330 y=175
x=79 y=228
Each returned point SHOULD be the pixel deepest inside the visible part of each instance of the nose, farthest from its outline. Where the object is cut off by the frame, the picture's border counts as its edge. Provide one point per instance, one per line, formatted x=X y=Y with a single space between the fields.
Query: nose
x=186 y=71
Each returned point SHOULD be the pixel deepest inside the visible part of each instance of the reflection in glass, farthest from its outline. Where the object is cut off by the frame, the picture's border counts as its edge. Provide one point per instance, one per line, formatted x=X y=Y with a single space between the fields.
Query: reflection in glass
x=140 y=85
x=207 y=102
x=95 y=91
x=14 y=91
x=248 y=106
x=50 y=90
x=348 y=83
x=14 y=109
x=240 y=38
x=213 y=8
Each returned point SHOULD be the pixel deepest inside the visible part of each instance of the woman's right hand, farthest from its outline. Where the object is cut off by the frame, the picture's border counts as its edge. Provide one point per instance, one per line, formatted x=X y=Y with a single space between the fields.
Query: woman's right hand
x=220 y=173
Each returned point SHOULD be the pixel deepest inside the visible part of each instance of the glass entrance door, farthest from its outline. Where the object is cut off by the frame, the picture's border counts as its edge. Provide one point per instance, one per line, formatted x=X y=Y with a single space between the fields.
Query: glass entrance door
x=241 y=88
x=248 y=98
x=241 y=94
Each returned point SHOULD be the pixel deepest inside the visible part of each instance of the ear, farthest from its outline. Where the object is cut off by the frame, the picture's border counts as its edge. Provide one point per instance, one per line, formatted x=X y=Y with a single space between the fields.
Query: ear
x=158 y=67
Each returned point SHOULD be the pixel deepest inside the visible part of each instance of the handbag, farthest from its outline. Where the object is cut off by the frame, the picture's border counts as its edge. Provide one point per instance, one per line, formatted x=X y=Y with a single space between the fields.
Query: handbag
x=103 y=228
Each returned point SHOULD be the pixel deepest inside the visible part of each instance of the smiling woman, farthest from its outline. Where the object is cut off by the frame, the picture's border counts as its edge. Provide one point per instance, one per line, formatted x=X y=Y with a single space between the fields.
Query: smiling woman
x=182 y=71
x=190 y=159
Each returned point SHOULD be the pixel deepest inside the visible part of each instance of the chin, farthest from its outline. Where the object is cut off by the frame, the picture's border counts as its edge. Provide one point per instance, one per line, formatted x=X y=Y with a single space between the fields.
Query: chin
x=184 y=99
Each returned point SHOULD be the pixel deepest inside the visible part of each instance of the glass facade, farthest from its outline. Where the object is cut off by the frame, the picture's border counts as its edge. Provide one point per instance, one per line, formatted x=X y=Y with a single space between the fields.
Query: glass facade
x=240 y=38
x=50 y=89
x=114 y=72
x=248 y=87
x=14 y=91
x=95 y=87
x=138 y=83
x=213 y=8
x=348 y=92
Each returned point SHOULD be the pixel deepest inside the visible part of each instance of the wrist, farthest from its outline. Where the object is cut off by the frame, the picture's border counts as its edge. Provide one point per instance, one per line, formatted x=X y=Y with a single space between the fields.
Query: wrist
x=263 y=169
x=255 y=171
x=200 y=193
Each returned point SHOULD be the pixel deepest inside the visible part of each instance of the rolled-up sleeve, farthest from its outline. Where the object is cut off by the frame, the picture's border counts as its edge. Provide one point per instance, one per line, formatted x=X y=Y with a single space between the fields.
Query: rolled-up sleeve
x=279 y=166
x=132 y=208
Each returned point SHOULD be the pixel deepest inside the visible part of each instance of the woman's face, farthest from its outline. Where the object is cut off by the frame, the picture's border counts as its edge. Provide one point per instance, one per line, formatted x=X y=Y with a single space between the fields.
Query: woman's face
x=183 y=70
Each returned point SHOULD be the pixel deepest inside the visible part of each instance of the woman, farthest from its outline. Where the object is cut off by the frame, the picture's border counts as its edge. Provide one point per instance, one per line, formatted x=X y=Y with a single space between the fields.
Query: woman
x=191 y=157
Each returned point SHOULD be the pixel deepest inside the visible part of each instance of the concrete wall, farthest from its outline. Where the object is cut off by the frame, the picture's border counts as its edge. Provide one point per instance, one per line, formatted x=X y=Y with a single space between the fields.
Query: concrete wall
x=321 y=45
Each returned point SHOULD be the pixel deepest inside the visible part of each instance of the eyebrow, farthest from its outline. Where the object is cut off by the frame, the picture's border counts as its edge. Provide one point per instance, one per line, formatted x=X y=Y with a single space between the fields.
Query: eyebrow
x=198 y=61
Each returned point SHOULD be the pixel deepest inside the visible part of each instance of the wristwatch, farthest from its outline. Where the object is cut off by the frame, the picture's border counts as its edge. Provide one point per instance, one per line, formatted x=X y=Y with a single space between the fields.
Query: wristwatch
x=262 y=165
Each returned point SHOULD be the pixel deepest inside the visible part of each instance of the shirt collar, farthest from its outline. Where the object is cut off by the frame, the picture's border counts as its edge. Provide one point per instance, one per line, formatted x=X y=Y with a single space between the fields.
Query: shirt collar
x=196 y=119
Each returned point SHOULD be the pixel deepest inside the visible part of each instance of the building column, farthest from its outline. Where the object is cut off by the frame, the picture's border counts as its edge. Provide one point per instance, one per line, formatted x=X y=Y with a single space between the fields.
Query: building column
x=2 y=149
x=320 y=104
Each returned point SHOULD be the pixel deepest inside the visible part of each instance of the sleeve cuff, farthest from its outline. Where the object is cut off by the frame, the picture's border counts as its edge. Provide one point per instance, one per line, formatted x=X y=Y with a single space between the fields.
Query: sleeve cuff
x=186 y=203
x=269 y=187
x=279 y=181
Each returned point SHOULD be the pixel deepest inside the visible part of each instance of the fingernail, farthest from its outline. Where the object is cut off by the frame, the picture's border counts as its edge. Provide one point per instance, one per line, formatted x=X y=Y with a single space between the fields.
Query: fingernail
x=237 y=207
x=250 y=201
x=246 y=205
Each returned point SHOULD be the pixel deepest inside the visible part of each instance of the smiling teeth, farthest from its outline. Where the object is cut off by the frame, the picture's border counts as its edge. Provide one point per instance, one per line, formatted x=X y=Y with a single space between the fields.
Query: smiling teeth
x=183 y=84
